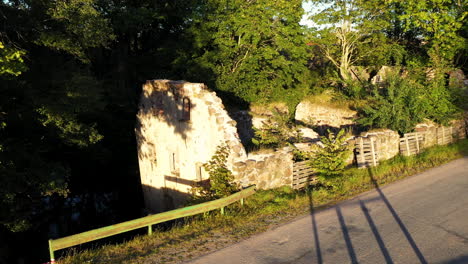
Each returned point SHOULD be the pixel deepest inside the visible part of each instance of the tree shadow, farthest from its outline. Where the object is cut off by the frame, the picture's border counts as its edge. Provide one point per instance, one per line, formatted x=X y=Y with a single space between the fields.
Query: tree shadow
x=457 y=260
x=347 y=238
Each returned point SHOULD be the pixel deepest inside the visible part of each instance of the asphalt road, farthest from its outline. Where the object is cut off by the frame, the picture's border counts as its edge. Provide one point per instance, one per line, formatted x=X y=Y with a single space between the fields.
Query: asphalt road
x=421 y=219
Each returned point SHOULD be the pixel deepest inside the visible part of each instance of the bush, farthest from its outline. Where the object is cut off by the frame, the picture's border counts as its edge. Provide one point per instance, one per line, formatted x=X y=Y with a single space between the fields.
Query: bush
x=399 y=106
x=221 y=178
x=277 y=131
x=330 y=160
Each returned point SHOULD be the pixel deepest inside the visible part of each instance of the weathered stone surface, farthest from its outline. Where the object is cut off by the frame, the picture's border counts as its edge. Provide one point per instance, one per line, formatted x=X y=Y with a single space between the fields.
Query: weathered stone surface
x=324 y=115
x=308 y=134
x=251 y=162
x=387 y=142
x=180 y=145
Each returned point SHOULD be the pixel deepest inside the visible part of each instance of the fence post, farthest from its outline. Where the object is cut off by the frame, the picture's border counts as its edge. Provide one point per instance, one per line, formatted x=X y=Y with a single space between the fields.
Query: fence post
x=373 y=151
x=242 y=201
x=222 y=210
x=443 y=135
x=407 y=147
x=451 y=134
x=361 y=152
x=417 y=142
x=51 y=252
x=150 y=229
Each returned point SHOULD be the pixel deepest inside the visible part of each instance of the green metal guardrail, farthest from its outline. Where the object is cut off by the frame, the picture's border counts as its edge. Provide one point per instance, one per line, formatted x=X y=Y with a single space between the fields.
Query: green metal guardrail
x=147 y=221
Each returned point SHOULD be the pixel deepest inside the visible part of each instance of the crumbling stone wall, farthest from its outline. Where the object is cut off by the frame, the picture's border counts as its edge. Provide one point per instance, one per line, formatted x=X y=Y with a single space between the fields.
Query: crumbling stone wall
x=387 y=143
x=179 y=126
x=268 y=170
x=325 y=117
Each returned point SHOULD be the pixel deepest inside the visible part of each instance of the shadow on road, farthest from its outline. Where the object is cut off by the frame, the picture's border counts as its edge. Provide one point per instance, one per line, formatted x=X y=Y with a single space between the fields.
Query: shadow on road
x=314 y=226
x=346 y=234
x=397 y=219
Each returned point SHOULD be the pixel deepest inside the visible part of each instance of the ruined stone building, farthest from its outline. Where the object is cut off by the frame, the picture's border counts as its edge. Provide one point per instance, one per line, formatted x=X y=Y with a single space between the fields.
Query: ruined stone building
x=179 y=126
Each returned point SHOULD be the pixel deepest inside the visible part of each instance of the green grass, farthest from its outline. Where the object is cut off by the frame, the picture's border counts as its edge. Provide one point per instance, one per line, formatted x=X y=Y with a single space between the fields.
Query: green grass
x=201 y=234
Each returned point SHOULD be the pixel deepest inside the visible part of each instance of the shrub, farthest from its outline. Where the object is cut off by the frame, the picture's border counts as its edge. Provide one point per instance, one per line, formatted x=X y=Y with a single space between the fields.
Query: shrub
x=277 y=131
x=221 y=178
x=399 y=106
x=330 y=160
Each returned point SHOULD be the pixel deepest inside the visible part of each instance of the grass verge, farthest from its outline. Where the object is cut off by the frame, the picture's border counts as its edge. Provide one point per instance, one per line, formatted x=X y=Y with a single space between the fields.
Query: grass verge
x=198 y=235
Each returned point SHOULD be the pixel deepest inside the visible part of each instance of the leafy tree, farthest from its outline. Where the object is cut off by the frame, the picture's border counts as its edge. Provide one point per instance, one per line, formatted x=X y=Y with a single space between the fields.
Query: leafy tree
x=439 y=21
x=354 y=33
x=253 y=49
x=277 y=131
x=11 y=61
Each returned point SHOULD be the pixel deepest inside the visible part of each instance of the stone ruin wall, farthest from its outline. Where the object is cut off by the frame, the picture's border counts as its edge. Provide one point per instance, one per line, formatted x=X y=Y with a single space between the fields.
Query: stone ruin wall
x=159 y=129
x=387 y=142
x=171 y=150
x=266 y=171
x=323 y=116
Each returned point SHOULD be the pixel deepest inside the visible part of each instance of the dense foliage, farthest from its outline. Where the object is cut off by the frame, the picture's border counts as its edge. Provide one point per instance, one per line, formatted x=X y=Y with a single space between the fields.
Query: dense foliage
x=399 y=105
x=71 y=72
x=277 y=131
x=252 y=49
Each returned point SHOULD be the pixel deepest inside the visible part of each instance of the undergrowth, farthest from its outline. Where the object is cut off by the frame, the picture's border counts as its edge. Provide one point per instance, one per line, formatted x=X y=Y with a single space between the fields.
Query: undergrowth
x=200 y=234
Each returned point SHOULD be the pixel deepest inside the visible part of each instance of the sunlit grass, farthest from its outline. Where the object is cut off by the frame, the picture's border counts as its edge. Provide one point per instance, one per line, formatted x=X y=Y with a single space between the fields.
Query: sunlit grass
x=203 y=233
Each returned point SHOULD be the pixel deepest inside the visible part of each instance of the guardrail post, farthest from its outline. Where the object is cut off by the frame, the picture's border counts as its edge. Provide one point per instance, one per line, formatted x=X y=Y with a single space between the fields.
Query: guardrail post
x=51 y=252
x=242 y=201
x=150 y=229
x=222 y=210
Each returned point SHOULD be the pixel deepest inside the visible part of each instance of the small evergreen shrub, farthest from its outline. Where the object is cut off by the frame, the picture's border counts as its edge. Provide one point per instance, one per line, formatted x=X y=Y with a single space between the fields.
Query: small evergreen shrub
x=330 y=160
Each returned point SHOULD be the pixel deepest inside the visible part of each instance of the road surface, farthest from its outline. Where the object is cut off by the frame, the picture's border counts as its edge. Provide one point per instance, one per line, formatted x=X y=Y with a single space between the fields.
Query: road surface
x=421 y=219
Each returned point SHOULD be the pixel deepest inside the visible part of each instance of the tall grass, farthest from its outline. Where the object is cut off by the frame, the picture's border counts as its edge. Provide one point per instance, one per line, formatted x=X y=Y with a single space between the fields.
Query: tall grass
x=197 y=235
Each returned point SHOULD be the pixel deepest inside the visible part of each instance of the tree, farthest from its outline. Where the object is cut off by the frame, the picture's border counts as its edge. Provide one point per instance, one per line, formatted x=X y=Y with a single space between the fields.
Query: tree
x=11 y=61
x=439 y=22
x=253 y=49
x=354 y=33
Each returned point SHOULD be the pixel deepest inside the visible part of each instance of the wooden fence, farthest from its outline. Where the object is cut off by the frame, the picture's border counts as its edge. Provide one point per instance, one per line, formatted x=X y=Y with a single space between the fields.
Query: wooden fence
x=444 y=135
x=303 y=174
x=412 y=143
x=365 y=151
x=148 y=221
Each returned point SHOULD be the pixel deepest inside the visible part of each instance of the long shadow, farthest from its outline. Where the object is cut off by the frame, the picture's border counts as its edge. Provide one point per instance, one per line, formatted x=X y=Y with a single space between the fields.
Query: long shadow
x=314 y=226
x=347 y=238
x=376 y=233
x=397 y=219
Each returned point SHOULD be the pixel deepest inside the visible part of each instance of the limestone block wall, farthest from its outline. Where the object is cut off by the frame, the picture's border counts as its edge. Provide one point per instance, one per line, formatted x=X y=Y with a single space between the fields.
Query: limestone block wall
x=324 y=116
x=387 y=143
x=266 y=171
x=429 y=130
x=460 y=128
x=179 y=126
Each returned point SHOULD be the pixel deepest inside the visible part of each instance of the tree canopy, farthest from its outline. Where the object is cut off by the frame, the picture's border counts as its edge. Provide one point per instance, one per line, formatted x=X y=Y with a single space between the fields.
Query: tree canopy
x=71 y=72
